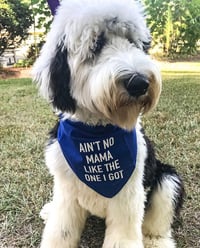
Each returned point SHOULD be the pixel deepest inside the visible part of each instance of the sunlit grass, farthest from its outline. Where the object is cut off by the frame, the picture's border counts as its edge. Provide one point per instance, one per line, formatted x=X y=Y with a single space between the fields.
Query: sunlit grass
x=180 y=68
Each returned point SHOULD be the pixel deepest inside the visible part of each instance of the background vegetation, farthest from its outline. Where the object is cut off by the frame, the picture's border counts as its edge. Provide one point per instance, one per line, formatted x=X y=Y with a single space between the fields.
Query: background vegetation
x=174 y=24
x=15 y=19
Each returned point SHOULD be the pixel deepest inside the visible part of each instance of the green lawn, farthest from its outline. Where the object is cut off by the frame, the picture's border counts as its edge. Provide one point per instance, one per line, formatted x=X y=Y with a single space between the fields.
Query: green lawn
x=25 y=184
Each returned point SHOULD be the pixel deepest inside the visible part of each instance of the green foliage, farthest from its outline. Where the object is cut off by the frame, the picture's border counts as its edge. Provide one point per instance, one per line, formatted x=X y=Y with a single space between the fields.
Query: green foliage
x=32 y=54
x=42 y=20
x=15 y=19
x=174 y=24
x=42 y=13
x=24 y=63
x=168 y=29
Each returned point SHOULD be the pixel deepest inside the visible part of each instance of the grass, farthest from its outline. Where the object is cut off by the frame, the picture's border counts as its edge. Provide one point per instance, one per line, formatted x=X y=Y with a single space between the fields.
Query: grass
x=25 y=184
x=175 y=128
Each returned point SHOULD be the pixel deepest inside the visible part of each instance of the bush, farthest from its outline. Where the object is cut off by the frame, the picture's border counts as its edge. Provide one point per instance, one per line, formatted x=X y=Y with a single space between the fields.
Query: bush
x=24 y=63
x=174 y=24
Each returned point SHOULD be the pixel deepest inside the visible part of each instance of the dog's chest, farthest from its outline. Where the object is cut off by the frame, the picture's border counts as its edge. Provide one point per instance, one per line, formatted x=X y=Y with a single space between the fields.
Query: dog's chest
x=91 y=201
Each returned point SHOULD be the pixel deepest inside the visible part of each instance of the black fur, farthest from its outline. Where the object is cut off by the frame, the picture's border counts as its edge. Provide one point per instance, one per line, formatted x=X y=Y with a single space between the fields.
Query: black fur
x=150 y=164
x=164 y=170
x=53 y=134
x=54 y=131
x=155 y=172
x=60 y=82
x=99 y=44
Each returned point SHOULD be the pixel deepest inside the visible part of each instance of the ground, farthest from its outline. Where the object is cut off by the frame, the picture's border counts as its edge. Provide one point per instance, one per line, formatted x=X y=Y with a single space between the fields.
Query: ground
x=15 y=73
x=25 y=185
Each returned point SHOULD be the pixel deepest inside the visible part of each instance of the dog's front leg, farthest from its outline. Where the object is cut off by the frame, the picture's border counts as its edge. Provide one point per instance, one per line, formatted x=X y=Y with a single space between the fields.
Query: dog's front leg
x=124 y=222
x=65 y=221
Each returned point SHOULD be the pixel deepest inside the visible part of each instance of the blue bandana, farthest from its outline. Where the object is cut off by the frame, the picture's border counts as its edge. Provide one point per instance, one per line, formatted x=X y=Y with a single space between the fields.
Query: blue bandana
x=102 y=157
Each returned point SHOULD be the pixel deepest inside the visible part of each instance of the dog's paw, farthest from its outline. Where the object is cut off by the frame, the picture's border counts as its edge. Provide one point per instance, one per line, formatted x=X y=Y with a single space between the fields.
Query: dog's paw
x=123 y=244
x=167 y=242
x=44 y=213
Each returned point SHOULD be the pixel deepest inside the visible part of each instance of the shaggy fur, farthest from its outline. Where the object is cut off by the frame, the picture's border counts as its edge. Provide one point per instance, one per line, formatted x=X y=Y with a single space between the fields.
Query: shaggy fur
x=86 y=69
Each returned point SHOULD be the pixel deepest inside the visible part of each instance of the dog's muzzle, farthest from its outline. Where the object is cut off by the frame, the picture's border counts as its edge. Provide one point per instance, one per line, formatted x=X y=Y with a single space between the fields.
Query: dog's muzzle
x=136 y=85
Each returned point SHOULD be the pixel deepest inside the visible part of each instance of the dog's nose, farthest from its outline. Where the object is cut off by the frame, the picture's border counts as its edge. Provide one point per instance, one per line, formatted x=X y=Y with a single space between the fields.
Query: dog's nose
x=136 y=85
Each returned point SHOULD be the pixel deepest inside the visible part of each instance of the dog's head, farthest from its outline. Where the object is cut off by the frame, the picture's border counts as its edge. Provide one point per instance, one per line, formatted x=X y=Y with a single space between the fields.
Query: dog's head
x=95 y=62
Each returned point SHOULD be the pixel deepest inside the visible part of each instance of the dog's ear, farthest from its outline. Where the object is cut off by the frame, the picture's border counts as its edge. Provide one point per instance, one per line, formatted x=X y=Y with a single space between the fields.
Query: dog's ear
x=59 y=81
x=52 y=74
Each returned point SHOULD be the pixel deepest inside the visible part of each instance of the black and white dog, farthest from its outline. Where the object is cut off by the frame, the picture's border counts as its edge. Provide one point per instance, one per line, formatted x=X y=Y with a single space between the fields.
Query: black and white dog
x=95 y=71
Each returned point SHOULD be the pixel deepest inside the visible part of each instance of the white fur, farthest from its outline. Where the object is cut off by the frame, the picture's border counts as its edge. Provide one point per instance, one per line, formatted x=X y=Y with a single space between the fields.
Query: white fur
x=73 y=199
x=101 y=99
x=77 y=24
x=159 y=217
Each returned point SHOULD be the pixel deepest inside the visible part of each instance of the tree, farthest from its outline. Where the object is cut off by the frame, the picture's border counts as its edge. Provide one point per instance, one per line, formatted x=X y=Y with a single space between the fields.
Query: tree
x=174 y=24
x=15 y=19
x=42 y=14
x=42 y=19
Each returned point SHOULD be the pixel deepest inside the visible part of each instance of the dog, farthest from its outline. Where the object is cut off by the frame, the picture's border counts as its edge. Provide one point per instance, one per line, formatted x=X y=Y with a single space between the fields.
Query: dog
x=96 y=72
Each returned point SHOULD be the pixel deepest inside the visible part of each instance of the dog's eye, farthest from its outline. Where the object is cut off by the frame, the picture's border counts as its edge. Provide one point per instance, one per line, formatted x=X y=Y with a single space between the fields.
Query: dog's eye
x=130 y=40
x=99 y=43
x=146 y=46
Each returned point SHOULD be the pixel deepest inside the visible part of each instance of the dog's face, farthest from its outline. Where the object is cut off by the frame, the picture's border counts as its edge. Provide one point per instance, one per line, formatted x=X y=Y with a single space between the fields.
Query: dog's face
x=95 y=61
